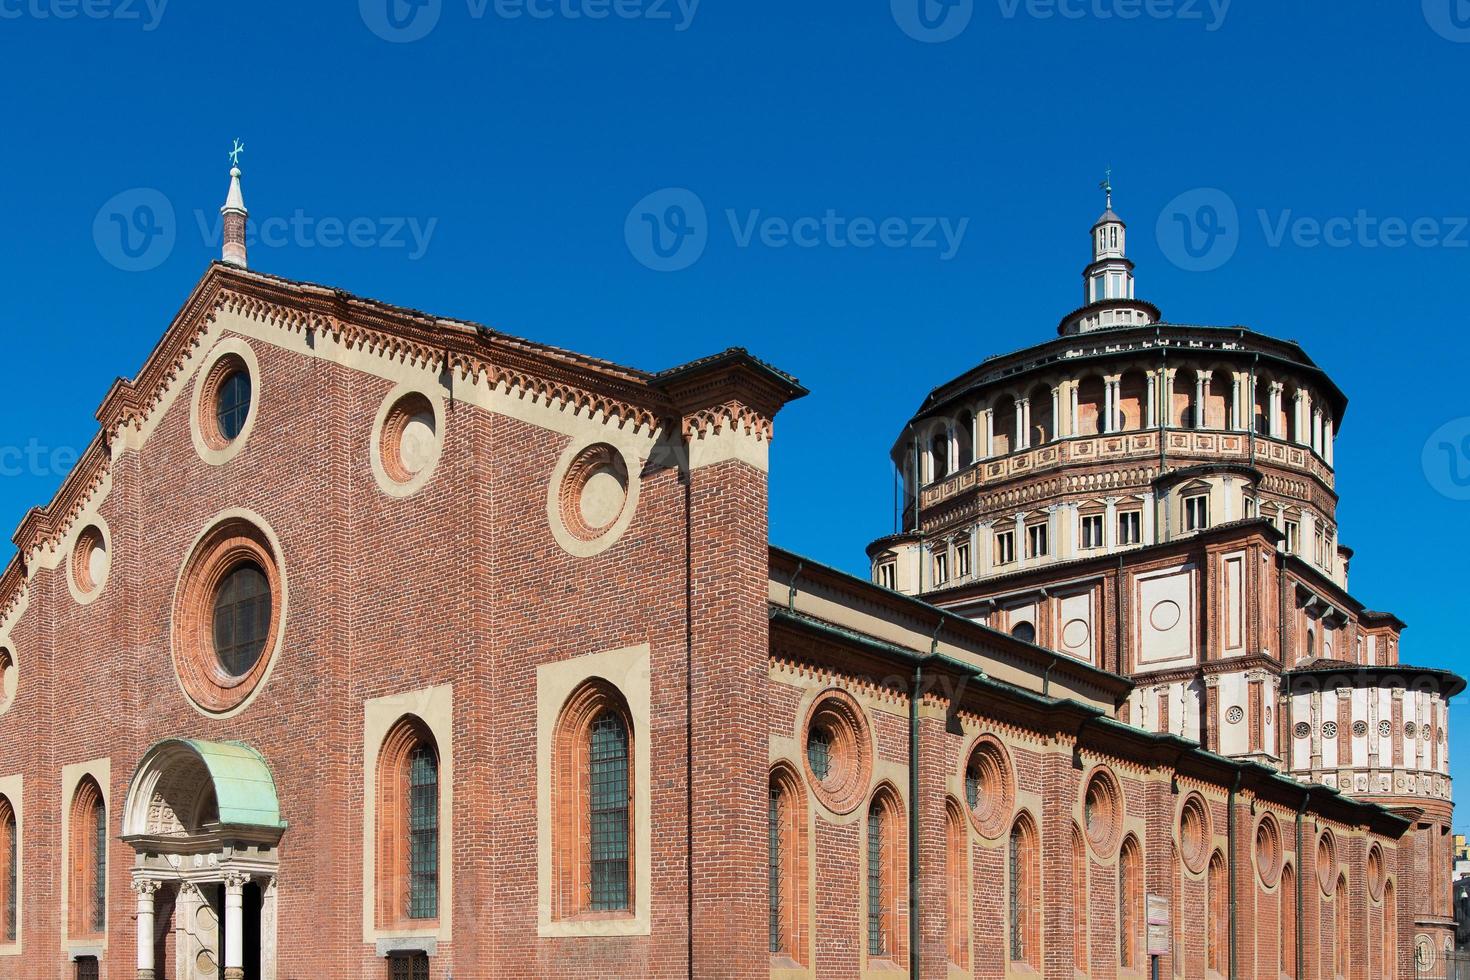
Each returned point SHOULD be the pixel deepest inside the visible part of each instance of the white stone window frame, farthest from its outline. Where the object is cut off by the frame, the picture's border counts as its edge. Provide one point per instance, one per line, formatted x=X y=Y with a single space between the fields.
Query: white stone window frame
x=13 y=789
x=434 y=707
x=1136 y=519
x=1091 y=539
x=71 y=777
x=629 y=671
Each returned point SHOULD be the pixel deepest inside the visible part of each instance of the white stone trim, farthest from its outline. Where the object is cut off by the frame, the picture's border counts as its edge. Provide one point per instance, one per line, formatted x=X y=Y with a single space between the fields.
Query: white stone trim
x=386 y=483
x=629 y=670
x=434 y=706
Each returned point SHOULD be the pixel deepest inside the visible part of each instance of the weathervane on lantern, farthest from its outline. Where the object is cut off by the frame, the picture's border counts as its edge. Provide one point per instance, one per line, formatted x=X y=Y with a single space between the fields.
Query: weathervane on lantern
x=1107 y=186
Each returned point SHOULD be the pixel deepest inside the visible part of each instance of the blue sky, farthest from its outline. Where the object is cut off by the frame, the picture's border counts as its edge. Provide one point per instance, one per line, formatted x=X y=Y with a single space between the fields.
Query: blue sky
x=886 y=198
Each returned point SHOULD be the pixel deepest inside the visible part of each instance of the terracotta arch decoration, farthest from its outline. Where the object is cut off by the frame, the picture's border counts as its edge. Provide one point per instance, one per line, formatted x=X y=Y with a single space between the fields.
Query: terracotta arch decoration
x=407 y=821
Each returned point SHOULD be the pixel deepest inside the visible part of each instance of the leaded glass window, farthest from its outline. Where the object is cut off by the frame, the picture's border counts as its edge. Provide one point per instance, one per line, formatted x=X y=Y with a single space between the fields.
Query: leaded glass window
x=776 y=859
x=609 y=813
x=1017 y=903
x=877 y=906
x=233 y=405
x=99 y=866
x=242 y=618
x=12 y=858
x=819 y=753
x=423 y=833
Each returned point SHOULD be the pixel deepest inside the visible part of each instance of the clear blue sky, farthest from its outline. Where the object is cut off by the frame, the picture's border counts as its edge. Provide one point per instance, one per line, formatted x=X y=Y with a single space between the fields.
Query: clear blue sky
x=518 y=146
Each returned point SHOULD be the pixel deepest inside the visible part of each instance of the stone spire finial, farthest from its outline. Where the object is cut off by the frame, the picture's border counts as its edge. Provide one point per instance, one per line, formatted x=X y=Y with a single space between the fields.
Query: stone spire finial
x=234 y=213
x=1107 y=186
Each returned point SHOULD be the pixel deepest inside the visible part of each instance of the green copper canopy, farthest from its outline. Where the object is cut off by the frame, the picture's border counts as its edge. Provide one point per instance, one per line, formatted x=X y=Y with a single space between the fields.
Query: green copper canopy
x=243 y=787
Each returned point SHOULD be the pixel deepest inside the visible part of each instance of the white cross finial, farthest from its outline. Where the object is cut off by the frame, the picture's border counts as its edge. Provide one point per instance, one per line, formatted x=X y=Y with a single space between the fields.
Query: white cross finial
x=235 y=153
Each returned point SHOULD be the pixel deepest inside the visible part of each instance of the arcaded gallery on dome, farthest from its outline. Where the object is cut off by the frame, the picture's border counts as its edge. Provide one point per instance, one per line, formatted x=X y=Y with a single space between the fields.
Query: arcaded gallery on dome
x=367 y=643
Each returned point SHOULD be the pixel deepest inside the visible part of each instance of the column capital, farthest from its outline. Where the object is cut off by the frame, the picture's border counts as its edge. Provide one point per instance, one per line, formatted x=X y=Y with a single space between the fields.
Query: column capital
x=145 y=886
x=235 y=880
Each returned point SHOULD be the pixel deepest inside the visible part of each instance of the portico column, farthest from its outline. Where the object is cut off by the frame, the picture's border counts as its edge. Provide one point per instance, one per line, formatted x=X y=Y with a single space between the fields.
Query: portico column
x=235 y=925
x=1235 y=406
x=1200 y=380
x=1107 y=425
x=1023 y=424
x=1153 y=405
x=1071 y=408
x=1273 y=424
x=989 y=432
x=145 y=888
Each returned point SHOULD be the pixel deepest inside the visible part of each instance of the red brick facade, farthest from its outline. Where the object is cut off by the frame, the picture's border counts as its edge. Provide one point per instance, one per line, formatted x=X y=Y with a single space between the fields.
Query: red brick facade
x=441 y=604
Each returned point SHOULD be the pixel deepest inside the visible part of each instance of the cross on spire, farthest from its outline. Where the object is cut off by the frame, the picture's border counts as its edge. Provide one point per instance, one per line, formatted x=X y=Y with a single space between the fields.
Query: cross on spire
x=1107 y=186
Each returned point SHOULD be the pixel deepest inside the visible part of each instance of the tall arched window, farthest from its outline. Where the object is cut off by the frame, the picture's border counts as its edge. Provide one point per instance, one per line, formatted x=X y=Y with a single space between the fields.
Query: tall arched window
x=1079 y=902
x=787 y=859
x=939 y=456
x=593 y=785
x=1025 y=894
x=1390 y=930
x=884 y=869
x=1043 y=424
x=957 y=878
x=1287 y=888
x=1219 y=922
x=1133 y=399
x=1343 y=932
x=407 y=817
x=1091 y=406
x=1130 y=902
x=87 y=895
x=1181 y=400
x=9 y=866
x=1003 y=425
x=964 y=433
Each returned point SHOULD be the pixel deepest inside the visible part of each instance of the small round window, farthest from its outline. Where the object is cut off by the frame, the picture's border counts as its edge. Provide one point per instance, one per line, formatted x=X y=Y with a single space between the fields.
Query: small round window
x=242 y=618
x=988 y=787
x=7 y=678
x=410 y=439
x=1024 y=631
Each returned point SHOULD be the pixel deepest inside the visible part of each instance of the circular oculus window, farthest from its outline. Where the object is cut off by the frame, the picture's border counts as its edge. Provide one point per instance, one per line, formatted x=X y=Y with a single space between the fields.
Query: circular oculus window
x=1268 y=850
x=1194 y=833
x=838 y=757
x=227 y=615
x=225 y=403
x=1326 y=863
x=407 y=441
x=1377 y=873
x=90 y=561
x=1102 y=812
x=989 y=787
x=594 y=492
x=7 y=679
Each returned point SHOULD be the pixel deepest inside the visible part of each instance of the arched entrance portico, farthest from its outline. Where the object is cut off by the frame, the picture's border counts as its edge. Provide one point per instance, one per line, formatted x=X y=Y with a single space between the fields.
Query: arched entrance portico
x=205 y=823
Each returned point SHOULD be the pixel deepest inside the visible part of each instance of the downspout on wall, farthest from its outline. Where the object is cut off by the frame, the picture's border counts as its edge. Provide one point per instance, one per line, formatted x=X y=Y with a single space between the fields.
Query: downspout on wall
x=1301 y=953
x=1230 y=869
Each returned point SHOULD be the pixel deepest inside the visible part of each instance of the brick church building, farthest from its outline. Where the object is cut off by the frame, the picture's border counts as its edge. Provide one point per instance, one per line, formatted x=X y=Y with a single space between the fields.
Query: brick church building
x=367 y=643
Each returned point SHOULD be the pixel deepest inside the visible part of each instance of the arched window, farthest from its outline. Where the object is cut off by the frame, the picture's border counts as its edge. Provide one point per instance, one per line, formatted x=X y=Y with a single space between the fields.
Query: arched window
x=1287 y=888
x=1343 y=932
x=593 y=782
x=1130 y=902
x=1261 y=407
x=1219 y=922
x=884 y=869
x=1390 y=929
x=407 y=817
x=1181 y=400
x=939 y=456
x=957 y=878
x=1079 y=901
x=9 y=867
x=88 y=844
x=1091 y=396
x=1132 y=399
x=1219 y=391
x=1025 y=894
x=788 y=873
x=964 y=433
x=1043 y=425
x=1003 y=425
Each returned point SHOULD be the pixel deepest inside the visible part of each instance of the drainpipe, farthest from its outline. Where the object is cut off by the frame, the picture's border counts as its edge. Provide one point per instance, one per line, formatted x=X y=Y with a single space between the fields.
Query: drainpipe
x=1230 y=868
x=918 y=492
x=1301 y=953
